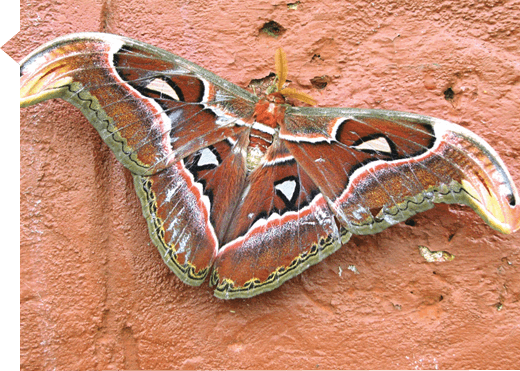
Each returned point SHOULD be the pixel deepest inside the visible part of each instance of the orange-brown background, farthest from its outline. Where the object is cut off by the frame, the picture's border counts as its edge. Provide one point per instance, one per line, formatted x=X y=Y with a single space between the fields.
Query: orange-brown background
x=94 y=291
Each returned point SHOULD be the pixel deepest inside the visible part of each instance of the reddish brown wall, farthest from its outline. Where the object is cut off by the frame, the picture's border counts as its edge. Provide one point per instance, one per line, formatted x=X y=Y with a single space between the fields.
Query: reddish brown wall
x=94 y=291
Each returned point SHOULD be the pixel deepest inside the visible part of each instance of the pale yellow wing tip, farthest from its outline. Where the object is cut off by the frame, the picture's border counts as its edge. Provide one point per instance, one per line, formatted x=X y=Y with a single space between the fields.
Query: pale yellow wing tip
x=32 y=91
x=33 y=99
x=500 y=216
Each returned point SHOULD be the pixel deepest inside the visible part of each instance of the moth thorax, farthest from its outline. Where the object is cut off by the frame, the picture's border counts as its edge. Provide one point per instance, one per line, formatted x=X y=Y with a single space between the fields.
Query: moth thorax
x=254 y=158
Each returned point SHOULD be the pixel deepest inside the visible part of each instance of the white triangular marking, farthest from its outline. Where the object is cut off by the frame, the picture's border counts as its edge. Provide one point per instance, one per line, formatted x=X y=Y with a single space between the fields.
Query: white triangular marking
x=207 y=158
x=163 y=88
x=287 y=188
x=379 y=144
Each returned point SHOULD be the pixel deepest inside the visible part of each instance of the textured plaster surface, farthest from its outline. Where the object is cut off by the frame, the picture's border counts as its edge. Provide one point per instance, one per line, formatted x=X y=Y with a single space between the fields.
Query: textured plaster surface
x=94 y=291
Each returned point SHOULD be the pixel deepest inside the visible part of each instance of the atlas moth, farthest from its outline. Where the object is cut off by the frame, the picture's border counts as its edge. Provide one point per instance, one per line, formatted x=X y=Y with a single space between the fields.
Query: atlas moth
x=250 y=190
